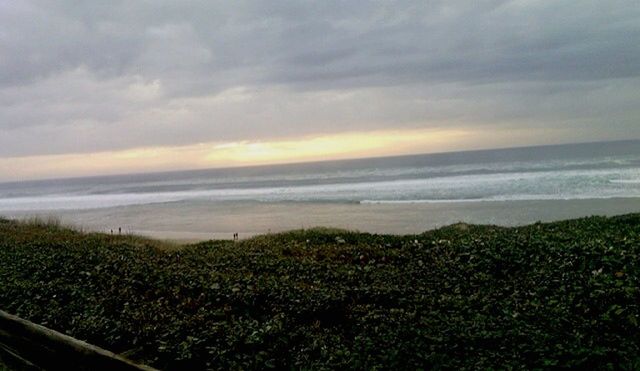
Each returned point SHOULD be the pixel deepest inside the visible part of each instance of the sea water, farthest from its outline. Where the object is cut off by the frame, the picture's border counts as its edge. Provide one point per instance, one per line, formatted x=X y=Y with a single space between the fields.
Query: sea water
x=503 y=186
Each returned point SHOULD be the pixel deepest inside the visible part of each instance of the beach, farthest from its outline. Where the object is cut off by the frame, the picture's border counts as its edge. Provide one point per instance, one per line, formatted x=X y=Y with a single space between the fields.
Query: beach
x=196 y=221
x=394 y=195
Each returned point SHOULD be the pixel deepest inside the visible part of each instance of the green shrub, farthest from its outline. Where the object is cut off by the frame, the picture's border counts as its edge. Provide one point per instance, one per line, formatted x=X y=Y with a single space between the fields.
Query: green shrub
x=561 y=294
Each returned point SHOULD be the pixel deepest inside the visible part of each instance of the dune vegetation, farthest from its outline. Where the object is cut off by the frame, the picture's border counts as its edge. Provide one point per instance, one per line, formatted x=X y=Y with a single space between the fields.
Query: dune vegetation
x=564 y=294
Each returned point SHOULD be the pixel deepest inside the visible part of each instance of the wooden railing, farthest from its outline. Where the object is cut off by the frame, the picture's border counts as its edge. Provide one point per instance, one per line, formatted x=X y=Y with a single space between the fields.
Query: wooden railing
x=33 y=347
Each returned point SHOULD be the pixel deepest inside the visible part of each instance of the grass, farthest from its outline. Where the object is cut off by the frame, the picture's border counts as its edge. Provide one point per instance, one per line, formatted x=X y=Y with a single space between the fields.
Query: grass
x=39 y=226
x=562 y=294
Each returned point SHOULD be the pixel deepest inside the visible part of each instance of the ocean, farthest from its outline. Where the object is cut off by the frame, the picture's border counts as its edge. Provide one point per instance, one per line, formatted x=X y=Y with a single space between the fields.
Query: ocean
x=405 y=194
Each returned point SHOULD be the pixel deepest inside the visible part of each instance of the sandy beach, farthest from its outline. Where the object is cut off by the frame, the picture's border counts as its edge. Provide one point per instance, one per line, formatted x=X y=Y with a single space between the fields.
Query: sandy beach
x=195 y=221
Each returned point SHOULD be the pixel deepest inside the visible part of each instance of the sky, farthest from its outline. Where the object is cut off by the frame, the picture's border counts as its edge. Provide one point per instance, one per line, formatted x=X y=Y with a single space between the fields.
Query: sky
x=108 y=87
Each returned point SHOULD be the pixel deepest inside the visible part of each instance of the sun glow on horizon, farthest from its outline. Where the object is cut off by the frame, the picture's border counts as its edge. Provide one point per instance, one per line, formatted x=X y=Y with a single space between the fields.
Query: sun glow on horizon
x=247 y=153
x=330 y=147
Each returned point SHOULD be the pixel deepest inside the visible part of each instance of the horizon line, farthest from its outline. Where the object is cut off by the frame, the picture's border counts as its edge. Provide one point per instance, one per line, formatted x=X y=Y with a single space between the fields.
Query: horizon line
x=282 y=164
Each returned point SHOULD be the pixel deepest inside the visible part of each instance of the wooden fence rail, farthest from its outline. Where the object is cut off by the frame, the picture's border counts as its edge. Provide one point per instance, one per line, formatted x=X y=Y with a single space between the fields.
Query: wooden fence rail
x=36 y=347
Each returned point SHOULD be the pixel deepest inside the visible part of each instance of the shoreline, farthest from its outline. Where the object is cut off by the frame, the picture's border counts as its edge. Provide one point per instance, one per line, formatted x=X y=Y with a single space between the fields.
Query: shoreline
x=189 y=221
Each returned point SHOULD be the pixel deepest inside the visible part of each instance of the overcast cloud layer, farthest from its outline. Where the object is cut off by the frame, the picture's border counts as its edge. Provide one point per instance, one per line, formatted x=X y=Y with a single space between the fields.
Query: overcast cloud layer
x=80 y=77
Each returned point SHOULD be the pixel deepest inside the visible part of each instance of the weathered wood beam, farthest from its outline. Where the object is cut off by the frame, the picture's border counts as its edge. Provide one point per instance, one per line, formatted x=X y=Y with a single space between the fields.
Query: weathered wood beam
x=50 y=350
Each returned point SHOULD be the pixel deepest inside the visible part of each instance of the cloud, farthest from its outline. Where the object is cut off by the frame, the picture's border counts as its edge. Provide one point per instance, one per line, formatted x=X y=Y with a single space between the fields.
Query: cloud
x=244 y=153
x=82 y=77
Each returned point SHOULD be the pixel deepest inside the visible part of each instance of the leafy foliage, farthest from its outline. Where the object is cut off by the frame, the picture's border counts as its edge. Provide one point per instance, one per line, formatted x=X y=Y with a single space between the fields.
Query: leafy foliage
x=562 y=294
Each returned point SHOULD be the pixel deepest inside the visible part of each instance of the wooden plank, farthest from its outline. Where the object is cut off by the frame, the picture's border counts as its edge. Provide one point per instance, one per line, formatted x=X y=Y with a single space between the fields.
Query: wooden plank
x=48 y=349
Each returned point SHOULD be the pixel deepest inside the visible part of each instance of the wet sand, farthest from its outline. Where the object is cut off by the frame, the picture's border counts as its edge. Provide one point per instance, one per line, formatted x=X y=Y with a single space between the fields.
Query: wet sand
x=204 y=220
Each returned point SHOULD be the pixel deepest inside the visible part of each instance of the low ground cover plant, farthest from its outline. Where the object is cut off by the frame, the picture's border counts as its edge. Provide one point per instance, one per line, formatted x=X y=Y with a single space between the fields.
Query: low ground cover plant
x=562 y=294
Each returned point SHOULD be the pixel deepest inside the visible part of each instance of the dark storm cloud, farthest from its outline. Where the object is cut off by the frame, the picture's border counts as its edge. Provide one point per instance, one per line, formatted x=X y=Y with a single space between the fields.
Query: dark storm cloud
x=122 y=74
